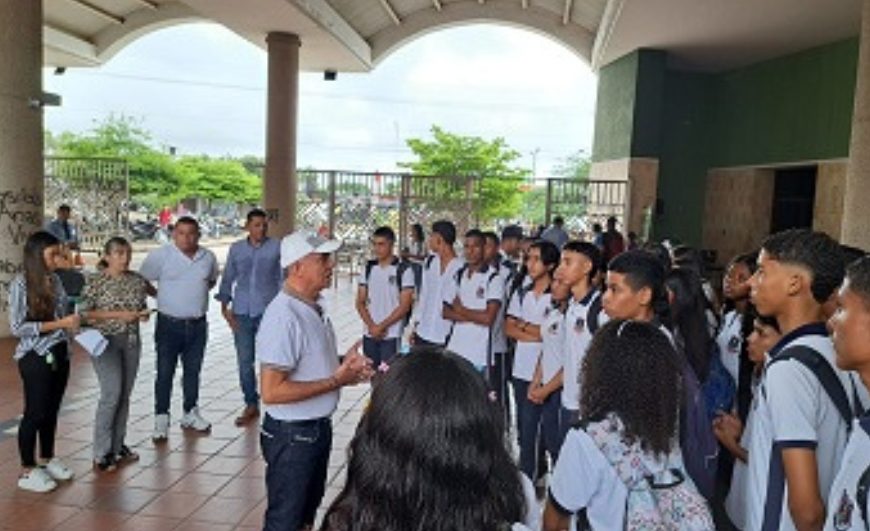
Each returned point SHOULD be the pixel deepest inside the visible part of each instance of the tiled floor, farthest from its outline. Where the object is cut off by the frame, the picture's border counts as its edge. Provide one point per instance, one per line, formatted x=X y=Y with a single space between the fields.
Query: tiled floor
x=208 y=483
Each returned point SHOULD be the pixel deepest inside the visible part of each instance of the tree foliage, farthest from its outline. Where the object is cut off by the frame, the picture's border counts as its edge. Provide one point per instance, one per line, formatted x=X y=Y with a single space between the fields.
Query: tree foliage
x=156 y=178
x=464 y=157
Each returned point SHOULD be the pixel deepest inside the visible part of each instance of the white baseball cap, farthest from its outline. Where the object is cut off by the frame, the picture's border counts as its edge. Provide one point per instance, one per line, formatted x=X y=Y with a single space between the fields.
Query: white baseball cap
x=301 y=243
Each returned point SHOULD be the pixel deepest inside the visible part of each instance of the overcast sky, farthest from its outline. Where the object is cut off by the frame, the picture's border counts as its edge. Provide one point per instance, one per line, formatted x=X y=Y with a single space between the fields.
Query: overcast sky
x=201 y=89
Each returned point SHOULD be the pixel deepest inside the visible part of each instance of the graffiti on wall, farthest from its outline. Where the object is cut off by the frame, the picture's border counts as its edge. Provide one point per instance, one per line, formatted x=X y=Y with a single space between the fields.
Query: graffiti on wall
x=20 y=215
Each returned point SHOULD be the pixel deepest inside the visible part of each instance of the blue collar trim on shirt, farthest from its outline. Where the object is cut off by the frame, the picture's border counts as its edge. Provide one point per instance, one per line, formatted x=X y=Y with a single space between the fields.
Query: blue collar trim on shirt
x=864 y=422
x=588 y=297
x=811 y=329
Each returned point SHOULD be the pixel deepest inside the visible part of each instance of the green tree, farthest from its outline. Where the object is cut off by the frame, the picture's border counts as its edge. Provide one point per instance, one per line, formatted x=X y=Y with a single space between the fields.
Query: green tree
x=464 y=157
x=220 y=180
x=575 y=166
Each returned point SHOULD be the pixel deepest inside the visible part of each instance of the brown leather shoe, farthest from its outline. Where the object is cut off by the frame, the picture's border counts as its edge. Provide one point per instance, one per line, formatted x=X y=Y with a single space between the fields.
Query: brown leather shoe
x=248 y=414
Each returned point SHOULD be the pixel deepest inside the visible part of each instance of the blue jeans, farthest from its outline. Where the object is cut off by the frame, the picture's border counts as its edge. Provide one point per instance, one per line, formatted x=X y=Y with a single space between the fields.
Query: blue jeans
x=297 y=456
x=528 y=424
x=174 y=338
x=245 y=338
x=380 y=350
x=551 y=424
x=569 y=418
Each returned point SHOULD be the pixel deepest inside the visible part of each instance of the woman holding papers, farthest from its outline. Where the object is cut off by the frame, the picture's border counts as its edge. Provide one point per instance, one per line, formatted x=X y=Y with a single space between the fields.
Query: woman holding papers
x=113 y=302
x=38 y=318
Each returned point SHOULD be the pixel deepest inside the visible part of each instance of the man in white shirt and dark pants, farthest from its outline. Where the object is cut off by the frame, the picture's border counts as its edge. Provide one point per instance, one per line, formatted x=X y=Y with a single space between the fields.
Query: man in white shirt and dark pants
x=300 y=379
x=185 y=272
x=439 y=270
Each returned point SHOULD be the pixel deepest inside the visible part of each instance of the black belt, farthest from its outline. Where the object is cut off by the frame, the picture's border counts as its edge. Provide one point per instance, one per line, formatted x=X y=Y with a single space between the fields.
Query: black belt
x=180 y=319
x=301 y=423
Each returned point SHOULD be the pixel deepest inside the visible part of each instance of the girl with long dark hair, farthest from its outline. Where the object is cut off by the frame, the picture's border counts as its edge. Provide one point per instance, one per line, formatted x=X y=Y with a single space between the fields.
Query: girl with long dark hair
x=439 y=461
x=688 y=320
x=39 y=317
x=525 y=315
x=624 y=427
x=113 y=302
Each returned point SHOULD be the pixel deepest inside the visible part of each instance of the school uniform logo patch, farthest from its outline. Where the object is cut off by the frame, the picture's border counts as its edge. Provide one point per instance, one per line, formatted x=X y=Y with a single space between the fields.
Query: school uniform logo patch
x=392 y=280
x=734 y=344
x=547 y=312
x=579 y=325
x=843 y=517
x=481 y=291
x=554 y=328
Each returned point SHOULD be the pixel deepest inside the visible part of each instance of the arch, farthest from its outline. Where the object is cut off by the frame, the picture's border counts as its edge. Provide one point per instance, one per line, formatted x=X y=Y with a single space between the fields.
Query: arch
x=575 y=38
x=114 y=38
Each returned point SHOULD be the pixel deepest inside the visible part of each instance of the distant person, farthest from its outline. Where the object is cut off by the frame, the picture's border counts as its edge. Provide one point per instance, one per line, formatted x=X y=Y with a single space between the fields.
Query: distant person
x=556 y=234
x=416 y=253
x=301 y=379
x=39 y=318
x=439 y=270
x=598 y=236
x=63 y=229
x=251 y=279
x=384 y=298
x=511 y=239
x=633 y=241
x=612 y=242
x=185 y=272
x=164 y=218
x=430 y=455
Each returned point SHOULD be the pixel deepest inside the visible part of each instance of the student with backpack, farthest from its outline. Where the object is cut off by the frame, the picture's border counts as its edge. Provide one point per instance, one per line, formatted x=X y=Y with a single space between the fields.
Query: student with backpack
x=636 y=291
x=621 y=468
x=384 y=298
x=497 y=364
x=579 y=265
x=848 y=507
x=524 y=318
x=803 y=411
x=439 y=270
x=471 y=304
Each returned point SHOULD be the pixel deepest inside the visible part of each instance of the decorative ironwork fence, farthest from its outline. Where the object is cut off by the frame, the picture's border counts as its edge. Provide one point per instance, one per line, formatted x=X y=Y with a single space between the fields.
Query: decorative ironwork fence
x=97 y=189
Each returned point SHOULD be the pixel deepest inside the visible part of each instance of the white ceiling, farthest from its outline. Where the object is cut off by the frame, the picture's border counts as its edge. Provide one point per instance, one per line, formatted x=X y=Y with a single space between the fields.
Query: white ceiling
x=715 y=35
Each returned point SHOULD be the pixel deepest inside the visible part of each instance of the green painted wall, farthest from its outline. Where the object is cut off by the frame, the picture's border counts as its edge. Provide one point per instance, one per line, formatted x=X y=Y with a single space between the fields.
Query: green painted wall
x=793 y=108
x=614 y=113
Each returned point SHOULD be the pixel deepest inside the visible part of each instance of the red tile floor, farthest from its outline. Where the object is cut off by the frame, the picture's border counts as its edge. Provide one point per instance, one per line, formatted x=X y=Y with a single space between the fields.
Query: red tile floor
x=193 y=482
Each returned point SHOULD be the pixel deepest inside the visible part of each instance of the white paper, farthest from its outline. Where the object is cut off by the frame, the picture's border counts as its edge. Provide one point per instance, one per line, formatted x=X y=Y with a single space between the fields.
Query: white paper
x=92 y=341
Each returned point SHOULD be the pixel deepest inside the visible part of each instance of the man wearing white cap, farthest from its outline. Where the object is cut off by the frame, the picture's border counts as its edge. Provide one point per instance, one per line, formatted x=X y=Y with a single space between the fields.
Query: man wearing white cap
x=300 y=379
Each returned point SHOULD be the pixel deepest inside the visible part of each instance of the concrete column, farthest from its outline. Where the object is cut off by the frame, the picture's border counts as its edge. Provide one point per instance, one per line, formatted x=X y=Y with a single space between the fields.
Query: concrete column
x=279 y=182
x=856 y=217
x=21 y=166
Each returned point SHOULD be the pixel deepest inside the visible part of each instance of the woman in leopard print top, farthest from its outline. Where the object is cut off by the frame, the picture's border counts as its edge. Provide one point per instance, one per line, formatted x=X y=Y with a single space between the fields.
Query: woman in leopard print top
x=114 y=302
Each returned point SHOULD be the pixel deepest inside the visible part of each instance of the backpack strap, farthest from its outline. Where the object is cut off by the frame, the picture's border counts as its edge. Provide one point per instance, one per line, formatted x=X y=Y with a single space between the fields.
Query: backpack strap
x=370 y=264
x=593 y=314
x=819 y=366
x=427 y=263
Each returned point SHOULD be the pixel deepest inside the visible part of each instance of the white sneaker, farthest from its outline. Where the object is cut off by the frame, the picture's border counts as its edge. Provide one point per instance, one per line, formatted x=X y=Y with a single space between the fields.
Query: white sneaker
x=193 y=421
x=37 y=480
x=161 y=427
x=58 y=470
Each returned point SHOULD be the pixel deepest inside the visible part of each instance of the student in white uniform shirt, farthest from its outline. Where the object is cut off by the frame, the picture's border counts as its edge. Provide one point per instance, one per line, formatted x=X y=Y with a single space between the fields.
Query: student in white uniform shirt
x=631 y=386
x=497 y=370
x=384 y=298
x=578 y=267
x=546 y=387
x=525 y=315
x=439 y=270
x=729 y=429
x=848 y=507
x=798 y=433
x=472 y=302
x=635 y=289
x=300 y=382
x=446 y=464
x=735 y=290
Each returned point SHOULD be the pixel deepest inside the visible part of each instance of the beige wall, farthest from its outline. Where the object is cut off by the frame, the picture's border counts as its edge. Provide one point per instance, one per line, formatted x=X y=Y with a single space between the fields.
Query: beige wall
x=830 y=196
x=737 y=210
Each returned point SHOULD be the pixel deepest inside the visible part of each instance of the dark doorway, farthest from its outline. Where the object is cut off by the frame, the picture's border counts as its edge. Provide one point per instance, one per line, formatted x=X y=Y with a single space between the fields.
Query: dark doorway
x=794 y=196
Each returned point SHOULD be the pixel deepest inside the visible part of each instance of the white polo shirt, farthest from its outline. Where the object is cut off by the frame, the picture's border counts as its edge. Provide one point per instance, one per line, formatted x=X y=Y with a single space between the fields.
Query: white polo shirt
x=297 y=337
x=528 y=306
x=730 y=341
x=475 y=290
x=499 y=339
x=383 y=286
x=183 y=282
x=577 y=340
x=791 y=410
x=844 y=510
x=431 y=324
x=552 y=342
